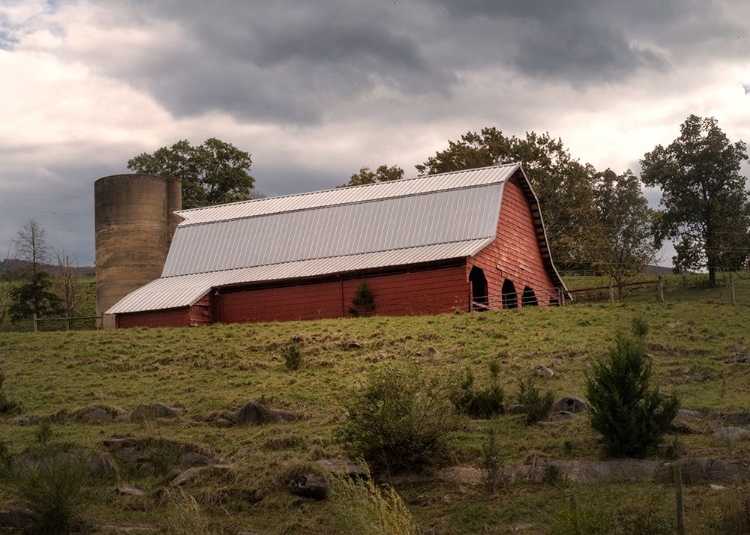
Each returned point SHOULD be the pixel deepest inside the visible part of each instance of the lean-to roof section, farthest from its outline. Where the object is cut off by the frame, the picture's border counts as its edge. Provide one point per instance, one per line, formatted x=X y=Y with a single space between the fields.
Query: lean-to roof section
x=386 y=224
x=186 y=290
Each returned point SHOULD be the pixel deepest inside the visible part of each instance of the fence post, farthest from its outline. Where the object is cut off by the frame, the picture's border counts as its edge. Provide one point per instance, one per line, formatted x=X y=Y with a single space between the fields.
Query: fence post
x=67 y=322
x=562 y=296
x=731 y=288
x=36 y=328
x=611 y=292
x=660 y=285
x=679 y=504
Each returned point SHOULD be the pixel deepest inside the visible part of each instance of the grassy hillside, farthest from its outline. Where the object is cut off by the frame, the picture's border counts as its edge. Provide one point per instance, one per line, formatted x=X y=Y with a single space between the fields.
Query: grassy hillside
x=701 y=353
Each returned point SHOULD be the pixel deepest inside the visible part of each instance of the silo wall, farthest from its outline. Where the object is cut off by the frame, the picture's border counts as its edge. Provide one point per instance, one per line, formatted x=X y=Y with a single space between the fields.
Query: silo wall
x=134 y=225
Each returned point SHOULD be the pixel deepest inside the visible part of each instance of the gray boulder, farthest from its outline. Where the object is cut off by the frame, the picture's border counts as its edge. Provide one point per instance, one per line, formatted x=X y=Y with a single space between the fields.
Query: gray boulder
x=253 y=412
x=310 y=485
x=154 y=410
x=731 y=433
x=570 y=404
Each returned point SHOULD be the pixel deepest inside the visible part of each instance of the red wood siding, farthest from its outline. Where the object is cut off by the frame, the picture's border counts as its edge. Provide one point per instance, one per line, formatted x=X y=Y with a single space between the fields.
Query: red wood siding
x=432 y=291
x=515 y=253
x=177 y=317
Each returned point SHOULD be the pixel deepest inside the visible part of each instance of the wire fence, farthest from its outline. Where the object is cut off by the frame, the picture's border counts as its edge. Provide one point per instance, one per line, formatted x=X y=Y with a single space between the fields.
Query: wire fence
x=36 y=324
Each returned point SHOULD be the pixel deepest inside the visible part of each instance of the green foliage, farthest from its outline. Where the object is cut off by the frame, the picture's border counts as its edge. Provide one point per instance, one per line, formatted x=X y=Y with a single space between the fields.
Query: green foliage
x=732 y=516
x=575 y=520
x=485 y=403
x=383 y=173
x=537 y=406
x=639 y=327
x=44 y=433
x=623 y=233
x=400 y=422
x=363 y=301
x=215 y=172
x=292 y=356
x=492 y=471
x=705 y=205
x=585 y=519
x=35 y=296
x=365 y=509
x=622 y=407
x=563 y=186
x=54 y=488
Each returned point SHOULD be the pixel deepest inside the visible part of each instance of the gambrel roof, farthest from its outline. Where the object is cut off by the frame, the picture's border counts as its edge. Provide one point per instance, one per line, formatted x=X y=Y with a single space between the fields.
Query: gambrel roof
x=425 y=219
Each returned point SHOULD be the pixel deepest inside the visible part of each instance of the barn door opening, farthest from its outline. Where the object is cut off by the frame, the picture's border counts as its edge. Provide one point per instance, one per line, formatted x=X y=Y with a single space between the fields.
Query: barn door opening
x=510 y=298
x=529 y=298
x=479 y=298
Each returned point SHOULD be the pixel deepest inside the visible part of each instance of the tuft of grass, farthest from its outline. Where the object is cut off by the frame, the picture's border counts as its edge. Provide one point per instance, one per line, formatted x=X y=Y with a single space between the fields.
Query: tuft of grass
x=185 y=516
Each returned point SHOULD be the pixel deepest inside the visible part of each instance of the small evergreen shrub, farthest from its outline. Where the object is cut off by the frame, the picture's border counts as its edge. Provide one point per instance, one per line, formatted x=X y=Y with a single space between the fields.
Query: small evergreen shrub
x=639 y=328
x=54 y=488
x=630 y=415
x=492 y=471
x=292 y=356
x=400 y=421
x=363 y=302
x=485 y=403
x=537 y=406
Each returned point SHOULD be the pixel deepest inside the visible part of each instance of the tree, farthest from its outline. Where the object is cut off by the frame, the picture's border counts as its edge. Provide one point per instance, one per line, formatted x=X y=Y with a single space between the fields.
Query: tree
x=66 y=284
x=31 y=245
x=623 y=407
x=212 y=173
x=382 y=174
x=33 y=295
x=703 y=194
x=624 y=242
x=563 y=186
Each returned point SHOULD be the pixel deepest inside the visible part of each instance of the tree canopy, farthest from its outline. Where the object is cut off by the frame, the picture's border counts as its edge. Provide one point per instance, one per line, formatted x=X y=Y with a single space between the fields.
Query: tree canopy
x=563 y=185
x=212 y=173
x=705 y=205
x=624 y=242
x=383 y=173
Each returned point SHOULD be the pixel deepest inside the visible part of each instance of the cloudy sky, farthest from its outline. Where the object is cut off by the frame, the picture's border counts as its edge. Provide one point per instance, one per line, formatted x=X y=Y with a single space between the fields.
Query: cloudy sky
x=316 y=90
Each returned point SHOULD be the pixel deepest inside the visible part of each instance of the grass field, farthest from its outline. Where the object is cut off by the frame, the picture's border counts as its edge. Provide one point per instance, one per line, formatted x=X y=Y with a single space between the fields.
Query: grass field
x=700 y=345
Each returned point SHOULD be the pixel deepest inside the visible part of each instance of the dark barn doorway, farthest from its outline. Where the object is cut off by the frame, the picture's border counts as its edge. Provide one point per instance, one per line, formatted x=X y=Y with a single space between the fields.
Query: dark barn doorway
x=510 y=297
x=479 y=298
x=528 y=299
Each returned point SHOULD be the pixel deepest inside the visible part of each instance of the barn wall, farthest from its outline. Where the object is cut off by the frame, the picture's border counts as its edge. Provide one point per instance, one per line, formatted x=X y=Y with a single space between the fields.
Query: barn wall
x=431 y=291
x=515 y=253
x=177 y=317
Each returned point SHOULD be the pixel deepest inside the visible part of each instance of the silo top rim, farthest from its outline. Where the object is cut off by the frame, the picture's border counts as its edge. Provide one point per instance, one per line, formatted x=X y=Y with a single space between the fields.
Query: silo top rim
x=131 y=176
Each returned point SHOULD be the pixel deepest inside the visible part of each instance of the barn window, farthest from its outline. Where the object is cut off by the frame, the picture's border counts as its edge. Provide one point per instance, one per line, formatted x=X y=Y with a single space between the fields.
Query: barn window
x=479 y=298
x=510 y=298
x=529 y=297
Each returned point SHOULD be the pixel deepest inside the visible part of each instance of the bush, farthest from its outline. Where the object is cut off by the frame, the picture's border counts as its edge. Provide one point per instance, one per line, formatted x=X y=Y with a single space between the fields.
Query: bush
x=536 y=405
x=292 y=356
x=484 y=403
x=361 y=507
x=54 y=488
x=492 y=471
x=400 y=422
x=363 y=301
x=631 y=416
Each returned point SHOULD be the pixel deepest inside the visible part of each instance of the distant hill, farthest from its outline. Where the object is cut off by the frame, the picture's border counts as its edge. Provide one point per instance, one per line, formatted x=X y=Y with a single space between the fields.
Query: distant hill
x=13 y=264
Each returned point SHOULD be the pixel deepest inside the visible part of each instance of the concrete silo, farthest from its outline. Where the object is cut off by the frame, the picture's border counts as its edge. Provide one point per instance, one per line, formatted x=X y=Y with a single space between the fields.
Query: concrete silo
x=134 y=224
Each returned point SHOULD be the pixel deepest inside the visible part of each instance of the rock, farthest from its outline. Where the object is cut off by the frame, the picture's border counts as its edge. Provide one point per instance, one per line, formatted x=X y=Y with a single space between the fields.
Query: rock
x=546 y=424
x=258 y=495
x=731 y=433
x=253 y=412
x=309 y=485
x=563 y=415
x=341 y=467
x=95 y=415
x=705 y=470
x=681 y=429
x=191 y=459
x=517 y=409
x=734 y=418
x=570 y=404
x=688 y=414
x=130 y=491
x=154 y=410
x=543 y=371
x=185 y=476
x=15 y=519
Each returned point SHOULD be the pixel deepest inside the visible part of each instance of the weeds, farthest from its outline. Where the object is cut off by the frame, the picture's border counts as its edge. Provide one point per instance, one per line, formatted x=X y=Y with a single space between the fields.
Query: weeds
x=492 y=471
x=536 y=405
x=185 y=516
x=362 y=508
x=484 y=403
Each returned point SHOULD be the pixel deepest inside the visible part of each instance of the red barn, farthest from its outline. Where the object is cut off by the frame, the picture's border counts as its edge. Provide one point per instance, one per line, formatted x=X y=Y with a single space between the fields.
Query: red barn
x=466 y=240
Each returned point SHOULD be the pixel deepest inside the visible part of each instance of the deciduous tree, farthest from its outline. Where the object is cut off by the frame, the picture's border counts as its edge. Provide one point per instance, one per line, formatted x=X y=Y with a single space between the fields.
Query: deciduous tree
x=34 y=294
x=381 y=174
x=212 y=173
x=624 y=242
x=563 y=185
x=703 y=195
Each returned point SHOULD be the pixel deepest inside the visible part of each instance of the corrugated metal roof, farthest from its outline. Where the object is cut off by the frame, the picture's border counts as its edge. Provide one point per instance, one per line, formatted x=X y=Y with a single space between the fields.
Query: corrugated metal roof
x=383 y=224
x=350 y=195
x=186 y=290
